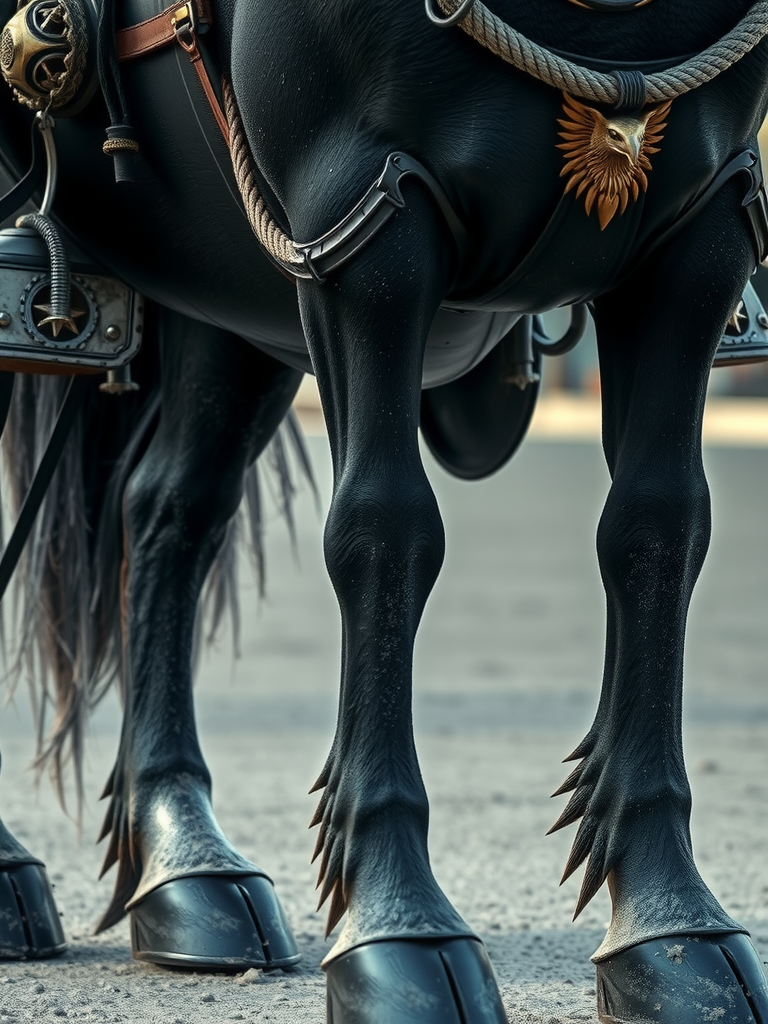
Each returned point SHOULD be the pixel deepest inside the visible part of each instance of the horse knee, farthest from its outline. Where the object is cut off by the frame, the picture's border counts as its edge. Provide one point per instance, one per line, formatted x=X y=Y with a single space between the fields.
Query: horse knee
x=654 y=532
x=384 y=533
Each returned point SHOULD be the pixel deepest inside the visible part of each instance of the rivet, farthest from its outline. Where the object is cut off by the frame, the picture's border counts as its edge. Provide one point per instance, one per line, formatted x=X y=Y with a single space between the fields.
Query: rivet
x=762 y=319
x=5 y=318
x=112 y=332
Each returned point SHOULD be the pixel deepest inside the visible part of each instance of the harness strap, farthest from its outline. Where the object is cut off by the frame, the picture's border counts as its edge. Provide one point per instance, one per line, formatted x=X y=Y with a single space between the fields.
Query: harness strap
x=755 y=205
x=176 y=24
x=378 y=204
x=156 y=32
x=70 y=406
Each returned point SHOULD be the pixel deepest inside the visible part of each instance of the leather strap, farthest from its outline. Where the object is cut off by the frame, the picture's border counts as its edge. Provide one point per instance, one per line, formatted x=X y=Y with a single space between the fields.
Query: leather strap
x=188 y=42
x=154 y=33
x=6 y=393
x=37 y=490
x=755 y=204
x=176 y=24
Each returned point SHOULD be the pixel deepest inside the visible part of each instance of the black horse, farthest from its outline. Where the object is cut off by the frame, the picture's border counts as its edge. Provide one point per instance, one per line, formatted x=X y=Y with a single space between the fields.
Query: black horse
x=497 y=196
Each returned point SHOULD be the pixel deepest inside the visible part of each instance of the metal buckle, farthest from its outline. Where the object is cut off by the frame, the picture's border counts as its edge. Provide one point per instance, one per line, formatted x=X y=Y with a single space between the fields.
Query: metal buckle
x=183 y=25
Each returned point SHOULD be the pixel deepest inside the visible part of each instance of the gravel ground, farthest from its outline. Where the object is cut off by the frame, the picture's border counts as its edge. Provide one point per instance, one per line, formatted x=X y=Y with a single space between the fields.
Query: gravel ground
x=508 y=668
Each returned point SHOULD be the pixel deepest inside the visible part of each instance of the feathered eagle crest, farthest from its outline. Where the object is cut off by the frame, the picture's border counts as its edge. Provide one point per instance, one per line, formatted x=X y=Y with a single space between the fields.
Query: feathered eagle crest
x=606 y=159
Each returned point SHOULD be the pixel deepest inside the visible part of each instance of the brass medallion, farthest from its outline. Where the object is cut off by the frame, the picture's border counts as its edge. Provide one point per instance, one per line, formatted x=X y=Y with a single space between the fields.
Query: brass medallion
x=607 y=158
x=43 y=52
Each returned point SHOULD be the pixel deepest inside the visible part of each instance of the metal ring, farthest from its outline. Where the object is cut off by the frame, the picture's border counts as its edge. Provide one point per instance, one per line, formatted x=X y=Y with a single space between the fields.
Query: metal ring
x=551 y=347
x=46 y=124
x=461 y=12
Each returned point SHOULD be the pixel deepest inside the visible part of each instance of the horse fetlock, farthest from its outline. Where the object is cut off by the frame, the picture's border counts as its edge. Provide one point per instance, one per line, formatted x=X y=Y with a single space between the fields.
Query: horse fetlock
x=363 y=836
x=634 y=833
x=11 y=850
x=374 y=862
x=632 y=815
x=663 y=894
x=160 y=832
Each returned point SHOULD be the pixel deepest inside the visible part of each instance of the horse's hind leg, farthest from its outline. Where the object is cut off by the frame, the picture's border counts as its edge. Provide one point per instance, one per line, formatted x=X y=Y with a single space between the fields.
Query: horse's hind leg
x=194 y=900
x=30 y=927
x=404 y=954
x=671 y=954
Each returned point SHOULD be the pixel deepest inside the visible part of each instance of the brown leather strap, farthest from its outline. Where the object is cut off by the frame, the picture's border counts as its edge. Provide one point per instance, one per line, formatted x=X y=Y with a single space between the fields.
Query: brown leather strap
x=156 y=32
x=213 y=102
x=174 y=25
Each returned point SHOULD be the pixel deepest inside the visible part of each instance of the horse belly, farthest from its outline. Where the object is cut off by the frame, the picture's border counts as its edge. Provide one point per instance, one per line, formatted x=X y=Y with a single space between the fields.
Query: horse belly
x=457 y=343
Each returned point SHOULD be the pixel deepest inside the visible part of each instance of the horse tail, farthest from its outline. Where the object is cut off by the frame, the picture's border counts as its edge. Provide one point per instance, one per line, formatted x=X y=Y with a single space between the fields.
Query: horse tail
x=65 y=616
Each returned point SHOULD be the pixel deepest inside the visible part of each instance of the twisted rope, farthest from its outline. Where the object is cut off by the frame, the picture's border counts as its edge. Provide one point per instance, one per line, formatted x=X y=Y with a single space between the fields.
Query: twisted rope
x=515 y=48
x=509 y=44
x=269 y=233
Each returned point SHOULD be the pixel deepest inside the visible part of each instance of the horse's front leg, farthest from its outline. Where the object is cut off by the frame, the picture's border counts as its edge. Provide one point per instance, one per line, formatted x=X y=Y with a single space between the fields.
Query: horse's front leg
x=30 y=927
x=671 y=954
x=404 y=954
x=194 y=899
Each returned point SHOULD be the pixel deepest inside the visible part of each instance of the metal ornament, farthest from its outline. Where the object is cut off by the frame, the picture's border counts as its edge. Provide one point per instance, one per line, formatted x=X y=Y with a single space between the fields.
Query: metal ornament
x=607 y=158
x=745 y=339
x=58 y=312
x=102 y=331
x=46 y=55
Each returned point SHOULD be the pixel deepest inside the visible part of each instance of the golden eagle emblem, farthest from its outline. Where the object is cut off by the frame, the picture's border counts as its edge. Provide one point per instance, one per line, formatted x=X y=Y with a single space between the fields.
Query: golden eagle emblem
x=606 y=159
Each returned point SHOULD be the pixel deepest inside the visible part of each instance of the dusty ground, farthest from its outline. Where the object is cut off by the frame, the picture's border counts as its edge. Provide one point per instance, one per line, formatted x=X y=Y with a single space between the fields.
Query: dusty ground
x=508 y=666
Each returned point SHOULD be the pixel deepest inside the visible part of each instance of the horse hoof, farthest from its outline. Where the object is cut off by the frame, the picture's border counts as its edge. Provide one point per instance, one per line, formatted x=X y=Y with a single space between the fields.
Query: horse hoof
x=414 y=981
x=213 y=922
x=684 y=980
x=30 y=927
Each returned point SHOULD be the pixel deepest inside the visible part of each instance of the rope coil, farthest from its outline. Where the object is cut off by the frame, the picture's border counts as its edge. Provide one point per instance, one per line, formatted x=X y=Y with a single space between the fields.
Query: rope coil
x=277 y=243
x=516 y=49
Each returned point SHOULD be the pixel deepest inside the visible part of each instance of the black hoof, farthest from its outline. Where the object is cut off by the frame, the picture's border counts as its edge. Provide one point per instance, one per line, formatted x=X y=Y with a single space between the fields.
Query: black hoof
x=213 y=921
x=30 y=927
x=414 y=981
x=684 y=980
